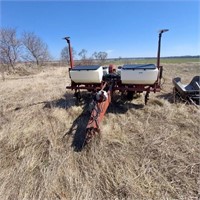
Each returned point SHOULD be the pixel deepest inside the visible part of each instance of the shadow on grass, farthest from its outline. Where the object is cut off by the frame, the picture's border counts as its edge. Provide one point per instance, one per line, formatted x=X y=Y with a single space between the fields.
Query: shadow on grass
x=65 y=102
x=167 y=96
x=122 y=107
x=78 y=128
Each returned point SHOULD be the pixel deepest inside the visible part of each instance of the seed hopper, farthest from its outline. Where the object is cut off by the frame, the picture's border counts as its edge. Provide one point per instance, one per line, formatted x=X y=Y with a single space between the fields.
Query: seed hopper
x=104 y=81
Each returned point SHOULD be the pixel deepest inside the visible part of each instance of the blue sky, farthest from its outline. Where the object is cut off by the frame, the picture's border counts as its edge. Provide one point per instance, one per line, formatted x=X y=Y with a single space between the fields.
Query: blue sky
x=121 y=28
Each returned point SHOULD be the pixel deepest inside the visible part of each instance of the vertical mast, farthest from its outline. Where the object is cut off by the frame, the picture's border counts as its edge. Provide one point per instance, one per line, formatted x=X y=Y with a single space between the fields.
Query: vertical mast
x=70 y=51
x=159 y=45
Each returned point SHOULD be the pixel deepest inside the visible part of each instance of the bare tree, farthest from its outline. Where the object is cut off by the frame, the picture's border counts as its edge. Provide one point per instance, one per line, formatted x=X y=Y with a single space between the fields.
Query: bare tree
x=95 y=55
x=84 y=59
x=100 y=56
x=82 y=54
x=35 y=49
x=64 y=55
x=9 y=48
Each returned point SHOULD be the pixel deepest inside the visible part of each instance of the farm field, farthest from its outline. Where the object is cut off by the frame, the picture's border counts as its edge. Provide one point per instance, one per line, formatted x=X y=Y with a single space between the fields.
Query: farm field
x=144 y=151
x=178 y=60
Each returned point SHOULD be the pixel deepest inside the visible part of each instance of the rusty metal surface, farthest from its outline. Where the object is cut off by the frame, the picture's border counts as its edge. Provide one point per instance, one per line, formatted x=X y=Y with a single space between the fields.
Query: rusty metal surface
x=98 y=111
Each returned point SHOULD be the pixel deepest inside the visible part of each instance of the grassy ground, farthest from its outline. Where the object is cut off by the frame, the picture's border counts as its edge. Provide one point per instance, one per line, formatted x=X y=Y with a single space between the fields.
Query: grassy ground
x=144 y=152
x=153 y=60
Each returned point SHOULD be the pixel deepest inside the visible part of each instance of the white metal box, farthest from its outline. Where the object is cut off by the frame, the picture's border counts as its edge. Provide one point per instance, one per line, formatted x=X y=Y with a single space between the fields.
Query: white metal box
x=139 y=74
x=86 y=74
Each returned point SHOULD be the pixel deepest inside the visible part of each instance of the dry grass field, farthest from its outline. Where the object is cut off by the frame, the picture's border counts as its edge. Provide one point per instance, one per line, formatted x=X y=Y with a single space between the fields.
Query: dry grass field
x=144 y=152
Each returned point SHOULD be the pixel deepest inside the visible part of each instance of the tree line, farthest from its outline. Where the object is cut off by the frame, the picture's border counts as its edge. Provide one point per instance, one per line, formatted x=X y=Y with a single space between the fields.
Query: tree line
x=31 y=48
x=96 y=57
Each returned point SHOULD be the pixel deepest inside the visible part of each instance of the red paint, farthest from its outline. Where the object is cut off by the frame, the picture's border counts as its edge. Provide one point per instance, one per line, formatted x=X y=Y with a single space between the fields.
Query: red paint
x=70 y=52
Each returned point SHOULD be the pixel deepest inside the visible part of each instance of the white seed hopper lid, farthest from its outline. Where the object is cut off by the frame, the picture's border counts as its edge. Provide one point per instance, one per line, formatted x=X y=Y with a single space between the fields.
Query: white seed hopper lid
x=85 y=67
x=139 y=66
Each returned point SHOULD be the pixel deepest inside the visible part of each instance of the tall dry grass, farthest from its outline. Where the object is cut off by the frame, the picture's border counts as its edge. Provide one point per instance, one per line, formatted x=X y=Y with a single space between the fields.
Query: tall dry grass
x=144 y=152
